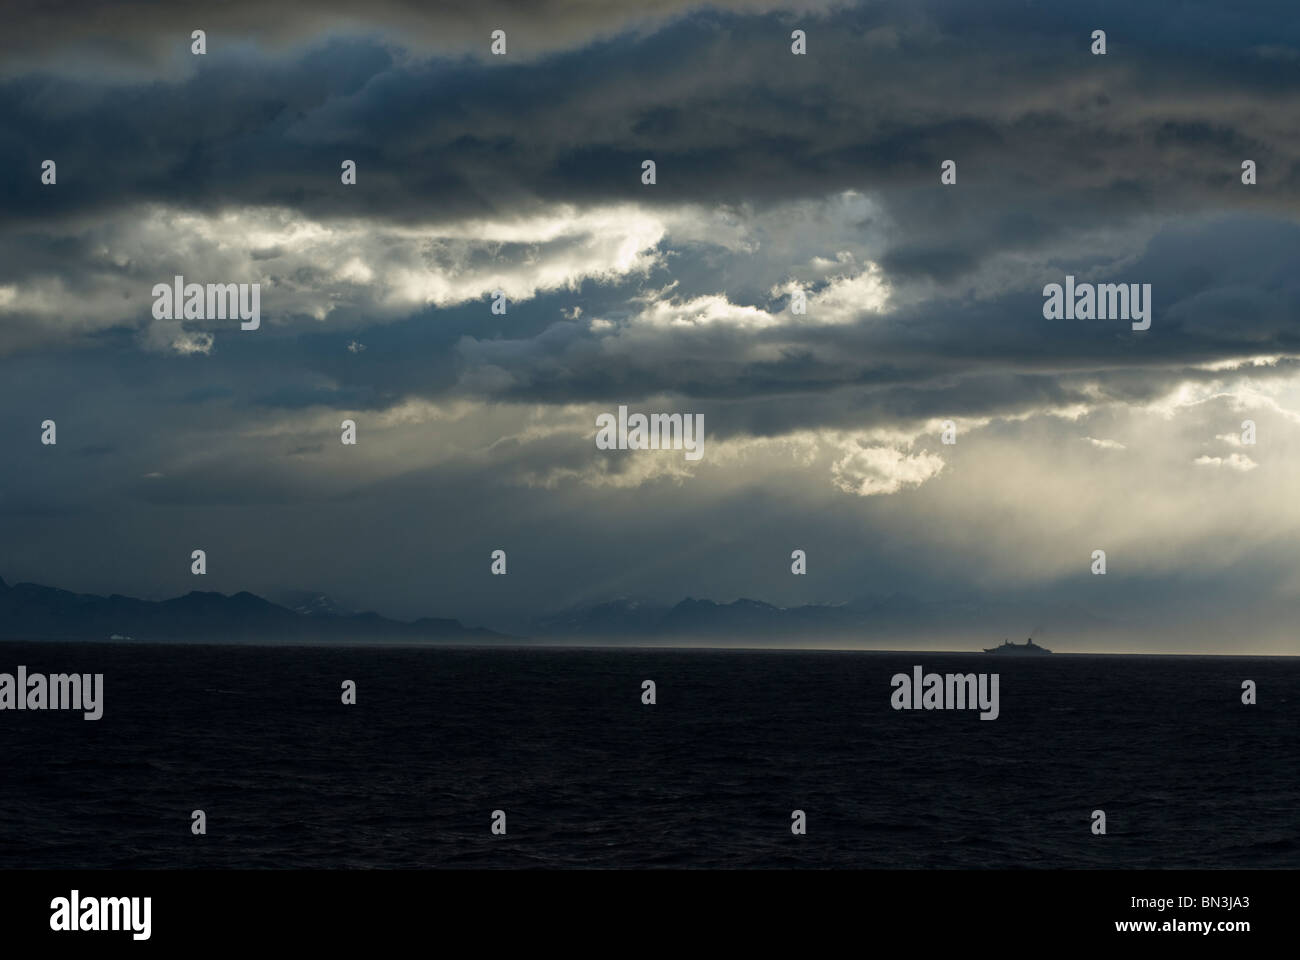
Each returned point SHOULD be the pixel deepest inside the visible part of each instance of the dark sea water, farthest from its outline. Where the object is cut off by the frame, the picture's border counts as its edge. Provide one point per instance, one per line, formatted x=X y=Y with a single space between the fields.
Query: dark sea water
x=590 y=777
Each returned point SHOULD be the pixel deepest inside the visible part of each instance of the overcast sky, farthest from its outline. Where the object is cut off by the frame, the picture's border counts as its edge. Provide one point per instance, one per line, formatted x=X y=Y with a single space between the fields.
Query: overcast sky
x=775 y=172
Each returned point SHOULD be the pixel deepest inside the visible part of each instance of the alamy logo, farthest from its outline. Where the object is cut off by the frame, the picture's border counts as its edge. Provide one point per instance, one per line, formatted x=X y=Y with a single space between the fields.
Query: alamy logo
x=658 y=431
x=214 y=301
x=58 y=691
x=952 y=691
x=1105 y=301
x=73 y=913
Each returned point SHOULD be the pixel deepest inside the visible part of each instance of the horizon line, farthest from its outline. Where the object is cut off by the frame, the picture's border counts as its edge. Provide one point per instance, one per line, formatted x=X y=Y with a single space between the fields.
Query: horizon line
x=614 y=645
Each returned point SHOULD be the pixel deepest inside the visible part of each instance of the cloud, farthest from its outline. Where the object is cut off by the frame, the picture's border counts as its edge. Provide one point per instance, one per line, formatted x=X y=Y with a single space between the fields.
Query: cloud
x=871 y=471
x=1105 y=444
x=1234 y=461
x=711 y=92
x=160 y=36
x=186 y=343
x=346 y=272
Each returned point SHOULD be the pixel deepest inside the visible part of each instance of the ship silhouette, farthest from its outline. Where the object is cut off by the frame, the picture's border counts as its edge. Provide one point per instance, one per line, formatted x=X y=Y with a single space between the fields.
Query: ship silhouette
x=1026 y=649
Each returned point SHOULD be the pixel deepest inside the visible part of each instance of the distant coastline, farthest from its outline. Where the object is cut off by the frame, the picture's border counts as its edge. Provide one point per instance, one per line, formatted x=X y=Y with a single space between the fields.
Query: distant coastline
x=894 y=624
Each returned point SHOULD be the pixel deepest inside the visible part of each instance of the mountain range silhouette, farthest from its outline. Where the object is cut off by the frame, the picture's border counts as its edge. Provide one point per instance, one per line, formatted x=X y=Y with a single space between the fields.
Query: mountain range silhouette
x=29 y=611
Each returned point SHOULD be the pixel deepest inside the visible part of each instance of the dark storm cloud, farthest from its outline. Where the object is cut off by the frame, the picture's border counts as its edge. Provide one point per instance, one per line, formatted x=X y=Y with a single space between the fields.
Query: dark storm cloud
x=153 y=33
x=884 y=95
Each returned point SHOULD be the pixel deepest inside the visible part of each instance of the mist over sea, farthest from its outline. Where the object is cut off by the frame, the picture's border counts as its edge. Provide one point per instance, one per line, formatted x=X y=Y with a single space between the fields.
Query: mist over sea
x=288 y=776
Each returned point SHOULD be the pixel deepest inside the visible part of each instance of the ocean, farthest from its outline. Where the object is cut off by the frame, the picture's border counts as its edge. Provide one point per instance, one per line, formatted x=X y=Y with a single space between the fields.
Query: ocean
x=588 y=776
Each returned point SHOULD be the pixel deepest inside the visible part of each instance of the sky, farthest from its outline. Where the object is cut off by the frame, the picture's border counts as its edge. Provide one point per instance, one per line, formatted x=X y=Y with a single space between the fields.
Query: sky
x=775 y=173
